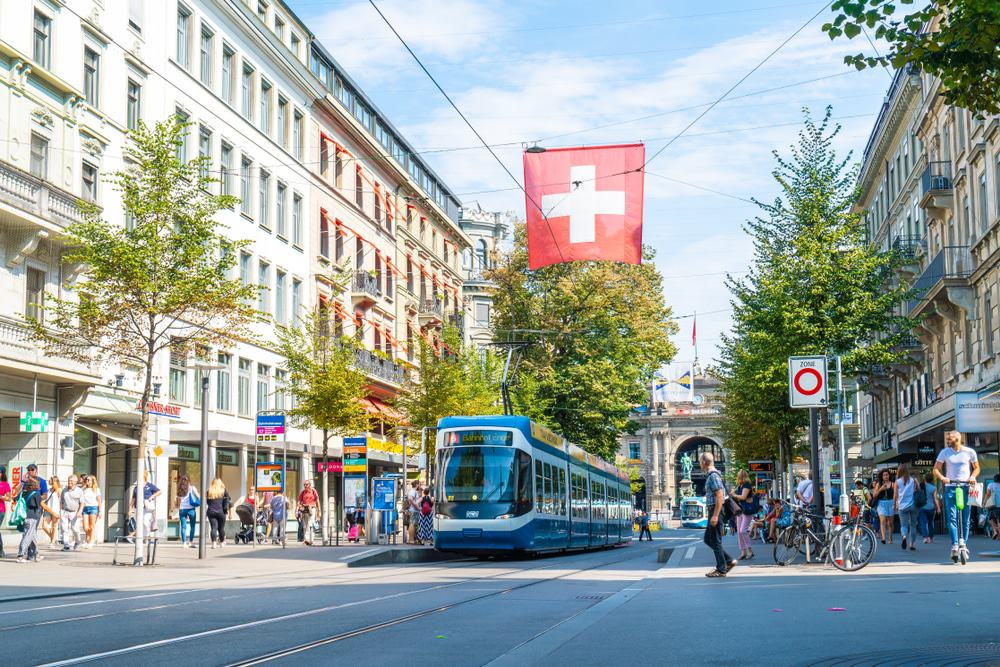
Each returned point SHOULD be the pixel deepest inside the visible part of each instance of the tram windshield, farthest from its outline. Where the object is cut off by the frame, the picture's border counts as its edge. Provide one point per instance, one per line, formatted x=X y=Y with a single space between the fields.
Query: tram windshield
x=692 y=510
x=477 y=474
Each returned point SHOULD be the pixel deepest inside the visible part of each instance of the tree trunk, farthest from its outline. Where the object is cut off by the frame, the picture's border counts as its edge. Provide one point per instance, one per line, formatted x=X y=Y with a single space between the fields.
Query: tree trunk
x=140 y=466
x=326 y=488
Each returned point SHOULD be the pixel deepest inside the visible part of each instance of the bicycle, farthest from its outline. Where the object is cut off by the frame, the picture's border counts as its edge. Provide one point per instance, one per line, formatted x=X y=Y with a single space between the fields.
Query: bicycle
x=848 y=547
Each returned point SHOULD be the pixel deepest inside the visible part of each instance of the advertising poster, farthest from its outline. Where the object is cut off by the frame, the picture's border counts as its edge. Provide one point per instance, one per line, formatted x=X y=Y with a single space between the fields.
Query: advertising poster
x=270 y=477
x=355 y=492
x=383 y=493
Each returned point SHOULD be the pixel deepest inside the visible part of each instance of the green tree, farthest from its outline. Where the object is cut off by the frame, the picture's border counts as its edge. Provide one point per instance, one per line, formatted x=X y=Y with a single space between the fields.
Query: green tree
x=962 y=50
x=324 y=383
x=816 y=286
x=597 y=333
x=162 y=281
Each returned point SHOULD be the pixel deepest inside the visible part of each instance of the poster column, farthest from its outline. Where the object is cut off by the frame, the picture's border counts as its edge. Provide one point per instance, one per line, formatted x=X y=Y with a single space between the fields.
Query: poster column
x=355 y=481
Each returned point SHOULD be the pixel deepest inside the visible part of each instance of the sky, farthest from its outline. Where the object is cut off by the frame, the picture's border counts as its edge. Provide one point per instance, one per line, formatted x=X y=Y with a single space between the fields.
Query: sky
x=583 y=72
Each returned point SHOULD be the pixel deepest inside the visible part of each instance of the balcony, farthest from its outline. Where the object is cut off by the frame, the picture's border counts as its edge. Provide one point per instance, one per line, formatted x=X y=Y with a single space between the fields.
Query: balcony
x=375 y=366
x=943 y=285
x=430 y=312
x=364 y=288
x=52 y=207
x=23 y=355
x=910 y=249
x=936 y=189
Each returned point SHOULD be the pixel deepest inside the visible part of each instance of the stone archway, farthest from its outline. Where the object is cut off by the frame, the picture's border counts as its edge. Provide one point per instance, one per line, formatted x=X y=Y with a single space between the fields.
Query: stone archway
x=694 y=446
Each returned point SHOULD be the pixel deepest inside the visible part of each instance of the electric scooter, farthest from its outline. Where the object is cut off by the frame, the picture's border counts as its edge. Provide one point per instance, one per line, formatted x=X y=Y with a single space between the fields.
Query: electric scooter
x=963 y=550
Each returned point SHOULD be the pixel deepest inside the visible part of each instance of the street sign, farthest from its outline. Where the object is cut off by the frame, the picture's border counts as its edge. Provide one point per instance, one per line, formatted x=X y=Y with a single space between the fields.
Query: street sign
x=356 y=455
x=34 y=422
x=807 y=386
x=270 y=428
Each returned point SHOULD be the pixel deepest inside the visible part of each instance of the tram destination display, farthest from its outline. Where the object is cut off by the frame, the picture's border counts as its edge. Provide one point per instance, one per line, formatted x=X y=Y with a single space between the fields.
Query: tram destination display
x=481 y=437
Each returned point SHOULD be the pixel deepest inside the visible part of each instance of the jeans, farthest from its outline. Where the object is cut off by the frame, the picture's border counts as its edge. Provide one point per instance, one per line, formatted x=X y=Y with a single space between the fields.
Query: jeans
x=908 y=523
x=278 y=531
x=713 y=538
x=927 y=523
x=307 y=521
x=189 y=517
x=743 y=523
x=218 y=523
x=951 y=514
x=645 y=531
x=72 y=528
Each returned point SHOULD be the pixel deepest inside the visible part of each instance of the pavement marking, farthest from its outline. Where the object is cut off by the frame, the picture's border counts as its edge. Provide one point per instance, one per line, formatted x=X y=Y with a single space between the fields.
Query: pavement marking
x=90 y=602
x=690 y=553
x=362 y=553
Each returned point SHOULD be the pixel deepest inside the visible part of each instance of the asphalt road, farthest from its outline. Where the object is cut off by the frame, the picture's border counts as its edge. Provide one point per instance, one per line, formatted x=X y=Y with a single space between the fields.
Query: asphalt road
x=599 y=608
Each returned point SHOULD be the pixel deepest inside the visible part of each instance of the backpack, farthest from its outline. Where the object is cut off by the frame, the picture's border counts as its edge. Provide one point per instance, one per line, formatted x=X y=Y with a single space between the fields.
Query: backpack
x=919 y=495
x=425 y=508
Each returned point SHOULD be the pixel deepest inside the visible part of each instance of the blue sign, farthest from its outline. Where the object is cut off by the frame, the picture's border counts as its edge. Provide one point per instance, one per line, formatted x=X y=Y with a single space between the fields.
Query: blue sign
x=383 y=493
x=271 y=421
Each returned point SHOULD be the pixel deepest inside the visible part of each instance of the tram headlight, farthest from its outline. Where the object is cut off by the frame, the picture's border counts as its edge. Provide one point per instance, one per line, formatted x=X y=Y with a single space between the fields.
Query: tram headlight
x=505 y=516
x=441 y=516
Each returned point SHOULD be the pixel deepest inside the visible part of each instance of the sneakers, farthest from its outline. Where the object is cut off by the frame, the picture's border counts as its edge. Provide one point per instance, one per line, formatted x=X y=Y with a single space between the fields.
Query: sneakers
x=954 y=553
x=39 y=557
x=65 y=547
x=904 y=543
x=20 y=559
x=213 y=545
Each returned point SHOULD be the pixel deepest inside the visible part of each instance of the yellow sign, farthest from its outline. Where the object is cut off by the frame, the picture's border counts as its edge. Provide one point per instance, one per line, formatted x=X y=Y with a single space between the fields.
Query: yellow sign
x=158 y=451
x=539 y=432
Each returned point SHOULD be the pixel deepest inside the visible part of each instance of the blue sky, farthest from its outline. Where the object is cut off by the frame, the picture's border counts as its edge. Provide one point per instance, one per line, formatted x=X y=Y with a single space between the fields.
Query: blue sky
x=538 y=69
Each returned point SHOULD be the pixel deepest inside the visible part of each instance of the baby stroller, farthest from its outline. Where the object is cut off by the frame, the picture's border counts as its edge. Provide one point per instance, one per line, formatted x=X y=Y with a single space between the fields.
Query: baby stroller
x=251 y=524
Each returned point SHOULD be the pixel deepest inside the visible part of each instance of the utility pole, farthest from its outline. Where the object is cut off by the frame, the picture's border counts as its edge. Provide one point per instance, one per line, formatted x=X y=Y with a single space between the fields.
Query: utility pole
x=841 y=406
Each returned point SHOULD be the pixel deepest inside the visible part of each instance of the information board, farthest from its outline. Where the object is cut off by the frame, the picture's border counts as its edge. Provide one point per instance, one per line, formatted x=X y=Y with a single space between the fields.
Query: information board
x=270 y=428
x=383 y=493
x=270 y=477
x=356 y=455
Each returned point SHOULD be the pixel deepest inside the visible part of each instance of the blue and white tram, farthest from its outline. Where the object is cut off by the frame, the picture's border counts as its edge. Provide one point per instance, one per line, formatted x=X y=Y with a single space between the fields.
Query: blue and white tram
x=506 y=484
x=693 y=513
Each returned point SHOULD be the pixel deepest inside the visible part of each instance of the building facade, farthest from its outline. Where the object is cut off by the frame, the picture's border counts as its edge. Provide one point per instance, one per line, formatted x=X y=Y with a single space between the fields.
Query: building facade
x=931 y=190
x=487 y=231
x=323 y=179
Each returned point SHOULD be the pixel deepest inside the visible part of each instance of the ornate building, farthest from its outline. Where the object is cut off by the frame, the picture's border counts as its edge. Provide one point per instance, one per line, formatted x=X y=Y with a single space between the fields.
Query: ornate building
x=486 y=230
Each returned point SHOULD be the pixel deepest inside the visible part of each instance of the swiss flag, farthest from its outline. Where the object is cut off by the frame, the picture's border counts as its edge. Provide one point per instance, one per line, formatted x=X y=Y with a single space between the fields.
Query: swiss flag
x=592 y=203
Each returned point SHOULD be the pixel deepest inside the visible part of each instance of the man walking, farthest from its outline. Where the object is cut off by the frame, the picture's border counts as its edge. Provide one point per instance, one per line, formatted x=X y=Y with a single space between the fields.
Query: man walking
x=70 y=512
x=279 y=515
x=957 y=467
x=715 y=493
x=309 y=506
x=644 y=526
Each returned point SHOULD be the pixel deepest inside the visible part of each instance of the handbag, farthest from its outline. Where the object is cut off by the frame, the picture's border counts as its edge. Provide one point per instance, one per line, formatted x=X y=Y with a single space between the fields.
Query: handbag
x=730 y=506
x=193 y=499
x=20 y=512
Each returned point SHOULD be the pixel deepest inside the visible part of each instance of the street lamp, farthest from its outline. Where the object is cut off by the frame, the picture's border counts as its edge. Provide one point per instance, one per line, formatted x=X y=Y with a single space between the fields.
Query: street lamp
x=206 y=369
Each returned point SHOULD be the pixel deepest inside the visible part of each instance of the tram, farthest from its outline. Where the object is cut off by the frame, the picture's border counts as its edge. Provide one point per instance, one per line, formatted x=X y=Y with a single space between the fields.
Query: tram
x=508 y=485
x=694 y=513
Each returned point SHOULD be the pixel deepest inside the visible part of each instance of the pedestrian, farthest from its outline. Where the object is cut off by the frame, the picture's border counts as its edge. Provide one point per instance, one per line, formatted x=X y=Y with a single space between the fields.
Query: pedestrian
x=92 y=502
x=70 y=514
x=885 y=496
x=425 y=533
x=715 y=495
x=930 y=509
x=51 y=519
x=991 y=502
x=804 y=491
x=150 y=492
x=216 y=511
x=644 y=526
x=279 y=515
x=188 y=502
x=4 y=499
x=34 y=505
x=957 y=466
x=309 y=511
x=413 y=508
x=906 y=506
x=743 y=494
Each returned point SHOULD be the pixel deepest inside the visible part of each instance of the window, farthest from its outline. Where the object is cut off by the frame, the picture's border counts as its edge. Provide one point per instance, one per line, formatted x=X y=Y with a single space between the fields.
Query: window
x=338 y=168
x=296 y=300
x=296 y=45
x=262 y=10
x=265 y=107
x=205 y=150
x=34 y=294
x=359 y=188
x=91 y=75
x=246 y=207
x=297 y=135
x=178 y=375
x=133 y=104
x=226 y=171
x=39 y=163
x=223 y=382
x=279 y=29
x=200 y=376
x=984 y=207
x=280 y=213
x=207 y=38
x=41 y=46
x=263 y=387
x=280 y=397
x=378 y=203
x=988 y=321
x=297 y=220
x=244 y=269
x=409 y=275
x=481 y=255
x=339 y=245
x=183 y=32
x=182 y=143
x=243 y=387
x=388 y=278
x=482 y=314
x=324 y=236
x=264 y=187
x=324 y=156
x=283 y=122
x=228 y=85
x=634 y=451
x=359 y=254
x=410 y=352
x=246 y=88
x=135 y=15
x=88 y=187
x=264 y=281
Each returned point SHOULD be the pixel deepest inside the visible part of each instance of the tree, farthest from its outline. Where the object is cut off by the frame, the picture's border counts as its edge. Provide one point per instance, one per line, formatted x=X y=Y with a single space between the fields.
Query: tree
x=962 y=49
x=453 y=380
x=327 y=390
x=596 y=333
x=816 y=286
x=160 y=283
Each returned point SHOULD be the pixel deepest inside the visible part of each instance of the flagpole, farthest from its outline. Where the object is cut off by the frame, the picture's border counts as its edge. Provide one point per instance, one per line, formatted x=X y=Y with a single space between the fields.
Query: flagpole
x=694 y=341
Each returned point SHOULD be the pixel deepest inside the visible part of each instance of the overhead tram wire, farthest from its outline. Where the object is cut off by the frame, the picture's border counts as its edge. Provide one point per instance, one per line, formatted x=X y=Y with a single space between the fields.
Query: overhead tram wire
x=471 y=126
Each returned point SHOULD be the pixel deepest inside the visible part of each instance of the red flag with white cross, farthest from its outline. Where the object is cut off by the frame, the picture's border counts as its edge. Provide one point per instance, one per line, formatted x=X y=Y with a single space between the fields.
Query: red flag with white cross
x=584 y=203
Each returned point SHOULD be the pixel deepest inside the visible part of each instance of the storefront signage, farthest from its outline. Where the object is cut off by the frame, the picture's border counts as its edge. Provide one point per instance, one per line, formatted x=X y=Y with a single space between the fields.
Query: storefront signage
x=270 y=428
x=356 y=455
x=975 y=415
x=226 y=458
x=188 y=453
x=926 y=455
x=331 y=466
x=34 y=422
x=160 y=409
x=270 y=476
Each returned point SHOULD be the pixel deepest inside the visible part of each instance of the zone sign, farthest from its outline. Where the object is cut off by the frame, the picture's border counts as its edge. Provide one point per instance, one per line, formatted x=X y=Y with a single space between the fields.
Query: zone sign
x=807 y=386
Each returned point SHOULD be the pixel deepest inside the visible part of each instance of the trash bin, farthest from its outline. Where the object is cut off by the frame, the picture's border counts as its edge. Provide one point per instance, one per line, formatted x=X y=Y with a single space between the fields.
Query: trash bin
x=373 y=520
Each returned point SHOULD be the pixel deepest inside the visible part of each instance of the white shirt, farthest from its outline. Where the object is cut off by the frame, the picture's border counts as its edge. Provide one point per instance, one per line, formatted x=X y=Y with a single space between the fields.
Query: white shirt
x=805 y=489
x=90 y=498
x=412 y=496
x=958 y=464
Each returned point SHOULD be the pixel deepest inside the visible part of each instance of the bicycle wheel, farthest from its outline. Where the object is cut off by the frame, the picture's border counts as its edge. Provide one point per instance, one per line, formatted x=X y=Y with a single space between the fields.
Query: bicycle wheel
x=852 y=548
x=787 y=545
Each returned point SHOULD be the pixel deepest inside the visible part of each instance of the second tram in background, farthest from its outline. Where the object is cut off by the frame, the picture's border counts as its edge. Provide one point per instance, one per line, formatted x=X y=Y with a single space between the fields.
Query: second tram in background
x=506 y=484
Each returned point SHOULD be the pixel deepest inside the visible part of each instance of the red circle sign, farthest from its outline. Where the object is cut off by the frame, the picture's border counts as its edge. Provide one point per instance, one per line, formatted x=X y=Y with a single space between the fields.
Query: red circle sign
x=798 y=385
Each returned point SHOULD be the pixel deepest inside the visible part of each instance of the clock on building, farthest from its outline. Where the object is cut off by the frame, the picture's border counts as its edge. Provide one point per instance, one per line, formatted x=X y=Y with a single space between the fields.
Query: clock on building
x=698 y=399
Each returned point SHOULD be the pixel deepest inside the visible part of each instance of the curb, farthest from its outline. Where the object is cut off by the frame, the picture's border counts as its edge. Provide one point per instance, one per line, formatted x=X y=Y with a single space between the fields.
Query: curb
x=65 y=594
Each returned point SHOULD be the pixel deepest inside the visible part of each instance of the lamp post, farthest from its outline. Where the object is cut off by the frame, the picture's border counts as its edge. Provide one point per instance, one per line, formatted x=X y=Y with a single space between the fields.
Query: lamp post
x=205 y=369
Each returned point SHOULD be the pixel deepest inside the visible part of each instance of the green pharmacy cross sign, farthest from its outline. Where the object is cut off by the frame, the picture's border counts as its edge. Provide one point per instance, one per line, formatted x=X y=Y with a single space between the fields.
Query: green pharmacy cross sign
x=34 y=422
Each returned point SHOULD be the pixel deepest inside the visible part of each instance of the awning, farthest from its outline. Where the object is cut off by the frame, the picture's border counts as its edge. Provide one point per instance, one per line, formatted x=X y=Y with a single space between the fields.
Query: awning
x=388 y=411
x=118 y=435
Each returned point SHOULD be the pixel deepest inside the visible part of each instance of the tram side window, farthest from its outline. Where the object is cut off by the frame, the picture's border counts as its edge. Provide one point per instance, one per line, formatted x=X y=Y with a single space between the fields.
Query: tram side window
x=613 y=503
x=539 y=488
x=547 y=476
x=562 y=491
x=574 y=495
x=523 y=482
